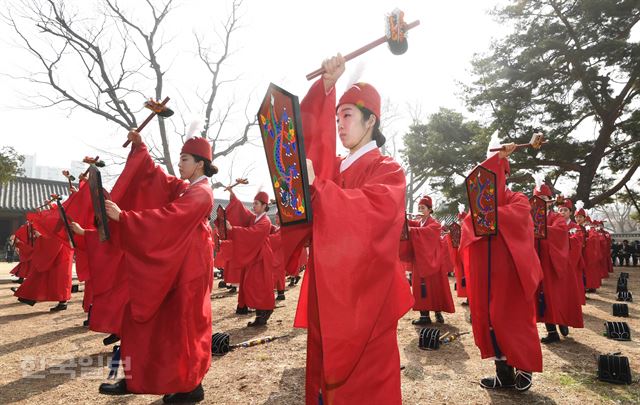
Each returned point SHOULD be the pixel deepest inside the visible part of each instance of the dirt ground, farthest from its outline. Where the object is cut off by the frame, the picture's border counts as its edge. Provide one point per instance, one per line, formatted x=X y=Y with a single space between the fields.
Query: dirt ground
x=51 y=359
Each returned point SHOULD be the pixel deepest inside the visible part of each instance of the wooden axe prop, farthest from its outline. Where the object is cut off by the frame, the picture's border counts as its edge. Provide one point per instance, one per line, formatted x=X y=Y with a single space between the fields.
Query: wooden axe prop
x=157 y=108
x=70 y=178
x=395 y=36
x=220 y=343
x=238 y=181
x=536 y=142
x=91 y=161
x=65 y=219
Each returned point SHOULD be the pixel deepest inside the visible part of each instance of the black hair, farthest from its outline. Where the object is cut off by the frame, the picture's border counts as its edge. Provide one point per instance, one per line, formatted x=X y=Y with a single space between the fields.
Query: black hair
x=376 y=135
x=209 y=169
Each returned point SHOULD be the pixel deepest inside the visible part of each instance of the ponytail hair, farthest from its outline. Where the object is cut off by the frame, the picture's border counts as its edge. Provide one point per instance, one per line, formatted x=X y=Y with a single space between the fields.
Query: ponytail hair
x=376 y=135
x=209 y=169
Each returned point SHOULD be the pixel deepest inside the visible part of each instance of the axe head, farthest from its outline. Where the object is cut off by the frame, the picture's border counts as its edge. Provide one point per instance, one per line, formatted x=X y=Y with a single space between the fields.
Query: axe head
x=537 y=139
x=160 y=109
x=396 y=32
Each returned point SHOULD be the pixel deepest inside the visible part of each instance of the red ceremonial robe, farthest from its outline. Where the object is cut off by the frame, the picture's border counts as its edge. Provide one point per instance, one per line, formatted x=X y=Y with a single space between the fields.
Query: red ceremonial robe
x=166 y=327
x=141 y=185
x=576 y=259
x=25 y=252
x=429 y=281
x=50 y=275
x=298 y=260
x=275 y=240
x=252 y=253
x=353 y=292
x=605 y=257
x=515 y=276
x=458 y=268
x=559 y=300
x=592 y=260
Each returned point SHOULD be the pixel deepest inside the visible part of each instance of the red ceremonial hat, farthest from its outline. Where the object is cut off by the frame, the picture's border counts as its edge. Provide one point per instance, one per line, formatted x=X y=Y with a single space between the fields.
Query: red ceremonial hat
x=362 y=95
x=262 y=197
x=581 y=212
x=426 y=201
x=543 y=190
x=566 y=203
x=198 y=146
x=461 y=215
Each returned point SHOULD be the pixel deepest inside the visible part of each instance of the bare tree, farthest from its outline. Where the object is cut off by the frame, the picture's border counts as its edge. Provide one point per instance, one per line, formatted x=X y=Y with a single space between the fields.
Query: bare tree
x=106 y=64
x=618 y=216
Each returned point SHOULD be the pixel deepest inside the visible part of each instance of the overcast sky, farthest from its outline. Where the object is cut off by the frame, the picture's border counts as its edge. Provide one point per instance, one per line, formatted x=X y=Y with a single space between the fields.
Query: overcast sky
x=278 y=41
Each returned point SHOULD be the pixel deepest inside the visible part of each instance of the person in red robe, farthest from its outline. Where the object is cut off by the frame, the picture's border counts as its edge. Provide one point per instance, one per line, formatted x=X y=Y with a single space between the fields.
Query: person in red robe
x=297 y=263
x=559 y=299
x=252 y=252
x=353 y=292
x=51 y=264
x=503 y=276
x=458 y=266
x=24 y=247
x=576 y=246
x=591 y=251
x=429 y=281
x=277 y=265
x=166 y=326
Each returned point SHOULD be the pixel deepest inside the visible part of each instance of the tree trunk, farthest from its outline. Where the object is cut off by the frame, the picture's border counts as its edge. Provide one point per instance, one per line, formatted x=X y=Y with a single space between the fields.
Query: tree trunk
x=592 y=162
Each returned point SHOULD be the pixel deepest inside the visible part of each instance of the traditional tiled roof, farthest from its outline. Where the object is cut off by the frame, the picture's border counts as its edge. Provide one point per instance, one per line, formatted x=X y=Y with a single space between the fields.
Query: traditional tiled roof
x=23 y=194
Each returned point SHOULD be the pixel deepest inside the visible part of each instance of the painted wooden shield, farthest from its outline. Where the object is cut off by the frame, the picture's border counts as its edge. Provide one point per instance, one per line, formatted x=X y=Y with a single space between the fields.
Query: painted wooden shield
x=539 y=215
x=221 y=222
x=281 y=129
x=483 y=201
x=455 y=231
x=97 y=199
x=405 y=229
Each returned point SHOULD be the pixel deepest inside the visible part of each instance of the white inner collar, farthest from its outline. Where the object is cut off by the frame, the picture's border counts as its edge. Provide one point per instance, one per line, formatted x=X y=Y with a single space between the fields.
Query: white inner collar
x=349 y=160
x=258 y=217
x=197 y=180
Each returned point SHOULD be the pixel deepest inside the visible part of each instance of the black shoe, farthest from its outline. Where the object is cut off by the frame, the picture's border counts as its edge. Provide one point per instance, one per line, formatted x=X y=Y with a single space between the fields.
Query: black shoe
x=221 y=284
x=111 y=339
x=85 y=323
x=465 y=303
x=439 y=317
x=14 y=289
x=551 y=338
x=280 y=296
x=28 y=302
x=504 y=378
x=242 y=310
x=119 y=388
x=524 y=380
x=423 y=320
x=261 y=318
x=292 y=281
x=297 y=278
x=60 y=307
x=232 y=289
x=196 y=395
x=564 y=330
x=75 y=288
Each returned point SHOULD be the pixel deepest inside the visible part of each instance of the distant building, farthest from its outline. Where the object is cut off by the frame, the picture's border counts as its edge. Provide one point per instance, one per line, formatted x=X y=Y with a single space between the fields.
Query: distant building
x=22 y=195
x=32 y=170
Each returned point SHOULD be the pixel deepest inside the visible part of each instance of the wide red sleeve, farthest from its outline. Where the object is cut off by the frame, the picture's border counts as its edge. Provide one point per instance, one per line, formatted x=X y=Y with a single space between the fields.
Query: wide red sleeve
x=318 y=109
x=360 y=287
x=248 y=241
x=157 y=242
x=557 y=243
x=142 y=184
x=237 y=213
x=426 y=245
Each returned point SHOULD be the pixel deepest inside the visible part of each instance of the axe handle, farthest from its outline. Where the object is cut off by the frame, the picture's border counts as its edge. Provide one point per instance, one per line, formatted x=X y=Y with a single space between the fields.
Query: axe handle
x=518 y=146
x=144 y=124
x=362 y=50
